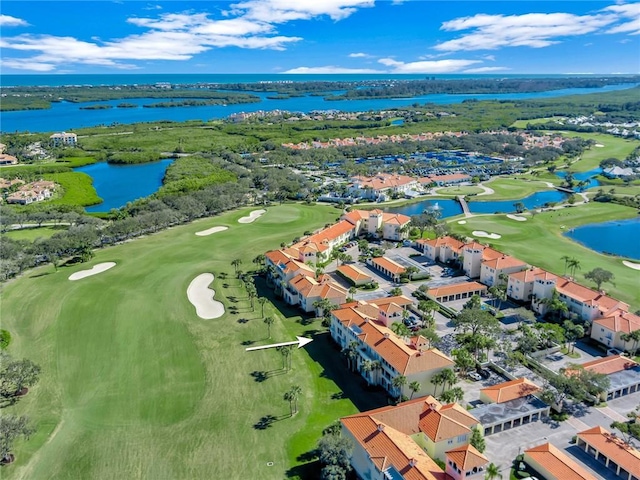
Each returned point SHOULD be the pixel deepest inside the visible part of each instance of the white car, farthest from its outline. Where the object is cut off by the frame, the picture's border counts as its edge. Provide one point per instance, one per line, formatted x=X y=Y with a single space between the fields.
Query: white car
x=475 y=376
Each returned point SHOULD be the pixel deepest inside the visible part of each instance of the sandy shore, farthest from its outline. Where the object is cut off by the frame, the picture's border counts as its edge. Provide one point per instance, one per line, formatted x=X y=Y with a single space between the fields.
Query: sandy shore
x=99 y=268
x=202 y=297
x=253 y=216
x=635 y=266
x=210 y=231
x=517 y=218
x=481 y=233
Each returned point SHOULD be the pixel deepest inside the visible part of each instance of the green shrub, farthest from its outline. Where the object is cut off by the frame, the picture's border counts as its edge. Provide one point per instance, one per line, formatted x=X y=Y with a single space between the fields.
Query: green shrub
x=5 y=339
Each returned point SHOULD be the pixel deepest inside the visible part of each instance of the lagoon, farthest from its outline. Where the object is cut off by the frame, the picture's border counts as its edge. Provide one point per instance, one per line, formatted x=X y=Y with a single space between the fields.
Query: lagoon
x=619 y=237
x=119 y=184
x=65 y=116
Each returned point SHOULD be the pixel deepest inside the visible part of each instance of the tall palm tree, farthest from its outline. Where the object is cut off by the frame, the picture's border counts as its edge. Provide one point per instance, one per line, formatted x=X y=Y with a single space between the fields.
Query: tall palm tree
x=492 y=472
x=352 y=291
x=574 y=264
x=236 y=263
x=437 y=379
x=448 y=378
x=566 y=259
x=286 y=351
x=399 y=382
x=400 y=329
x=292 y=397
x=269 y=321
x=414 y=387
x=262 y=301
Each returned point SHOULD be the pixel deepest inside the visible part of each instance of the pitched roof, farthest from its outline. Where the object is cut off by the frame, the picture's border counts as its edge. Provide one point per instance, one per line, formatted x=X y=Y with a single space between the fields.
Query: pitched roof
x=620 y=321
x=405 y=359
x=588 y=296
x=277 y=256
x=623 y=454
x=527 y=275
x=442 y=422
x=353 y=273
x=387 y=447
x=447 y=241
x=382 y=181
x=456 y=288
x=609 y=365
x=328 y=234
x=467 y=457
x=389 y=265
x=518 y=388
x=395 y=218
x=557 y=463
x=397 y=299
x=505 y=261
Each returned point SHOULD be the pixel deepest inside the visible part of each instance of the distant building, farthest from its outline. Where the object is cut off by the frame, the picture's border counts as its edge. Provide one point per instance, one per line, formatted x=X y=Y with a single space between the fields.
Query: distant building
x=7 y=159
x=64 y=139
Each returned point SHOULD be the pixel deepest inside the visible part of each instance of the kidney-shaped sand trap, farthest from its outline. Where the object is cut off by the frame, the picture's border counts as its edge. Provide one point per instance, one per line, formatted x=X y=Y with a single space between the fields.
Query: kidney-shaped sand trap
x=211 y=230
x=635 y=266
x=99 y=268
x=202 y=297
x=518 y=218
x=480 y=233
x=253 y=216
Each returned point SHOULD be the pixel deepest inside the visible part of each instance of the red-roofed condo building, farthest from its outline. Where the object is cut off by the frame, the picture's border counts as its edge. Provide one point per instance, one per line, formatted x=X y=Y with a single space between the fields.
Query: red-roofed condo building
x=620 y=457
x=381 y=355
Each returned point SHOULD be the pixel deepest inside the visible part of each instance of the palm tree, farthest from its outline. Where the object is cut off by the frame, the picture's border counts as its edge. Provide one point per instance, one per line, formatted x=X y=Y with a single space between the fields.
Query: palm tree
x=236 y=263
x=399 y=382
x=352 y=354
x=262 y=301
x=436 y=380
x=286 y=351
x=292 y=397
x=366 y=367
x=492 y=472
x=269 y=321
x=457 y=394
x=574 y=264
x=448 y=378
x=566 y=259
x=400 y=329
x=352 y=292
x=252 y=293
x=414 y=387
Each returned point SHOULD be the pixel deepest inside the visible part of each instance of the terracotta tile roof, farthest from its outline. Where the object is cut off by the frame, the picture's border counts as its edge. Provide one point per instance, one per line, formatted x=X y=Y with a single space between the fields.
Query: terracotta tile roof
x=526 y=276
x=397 y=299
x=455 y=289
x=467 y=457
x=557 y=464
x=589 y=296
x=278 y=256
x=609 y=365
x=491 y=254
x=387 y=447
x=330 y=233
x=623 y=454
x=518 y=388
x=447 y=241
x=395 y=218
x=474 y=246
x=405 y=359
x=620 y=321
x=504 y=261
x=389 y=265
x=354 y=216
x=353 y=273
x=443 y=422
x=546 y=276
x=295 y=266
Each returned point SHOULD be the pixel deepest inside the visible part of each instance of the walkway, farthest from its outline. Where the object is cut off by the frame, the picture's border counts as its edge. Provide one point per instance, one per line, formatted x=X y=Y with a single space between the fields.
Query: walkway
x=463 y=204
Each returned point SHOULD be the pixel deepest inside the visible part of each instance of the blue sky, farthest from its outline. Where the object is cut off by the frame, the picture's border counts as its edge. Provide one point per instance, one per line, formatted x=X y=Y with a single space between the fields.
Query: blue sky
x=320 y=36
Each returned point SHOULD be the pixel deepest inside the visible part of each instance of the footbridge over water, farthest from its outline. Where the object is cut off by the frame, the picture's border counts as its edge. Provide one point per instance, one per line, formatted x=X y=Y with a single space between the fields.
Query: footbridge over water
x=463 y=204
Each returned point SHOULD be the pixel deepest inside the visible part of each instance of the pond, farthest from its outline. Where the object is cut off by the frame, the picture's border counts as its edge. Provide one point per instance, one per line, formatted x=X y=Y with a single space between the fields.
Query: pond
x=584 y=176
x=619 y=237
x=451 y=208
x=119 y=184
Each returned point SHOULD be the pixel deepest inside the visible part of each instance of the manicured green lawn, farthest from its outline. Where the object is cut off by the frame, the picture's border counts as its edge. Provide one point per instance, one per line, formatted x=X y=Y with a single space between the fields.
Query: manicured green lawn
x=512 y=188
x=459 y=190
x=612 y=147
x=533 y=121
x=134 y=384
x=32 y=233
x=539 y=241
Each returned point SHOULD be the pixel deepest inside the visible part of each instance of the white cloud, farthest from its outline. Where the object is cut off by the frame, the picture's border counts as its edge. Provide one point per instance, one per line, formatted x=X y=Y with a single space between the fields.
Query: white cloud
x=486 y=69
x=534 y=30
x=630 y=16
x=435 y=66
x=9 y=21
x=331 y=69
x=177 y=36
x=359 y=55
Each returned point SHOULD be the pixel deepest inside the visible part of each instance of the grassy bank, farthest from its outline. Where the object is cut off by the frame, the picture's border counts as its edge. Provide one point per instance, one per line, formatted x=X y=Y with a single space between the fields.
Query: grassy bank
x=539 y=241
x=77 y=189
x=135 y=384
x=31 y=234
x=514 y=188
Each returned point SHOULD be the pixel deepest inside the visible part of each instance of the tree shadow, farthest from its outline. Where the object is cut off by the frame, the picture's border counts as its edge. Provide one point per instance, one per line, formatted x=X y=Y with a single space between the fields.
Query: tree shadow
x=267 y=420
x=248 y=342
x=232 y=298
x=262 y=375
x=306 y=471
x=243 y=320
x=43 y=274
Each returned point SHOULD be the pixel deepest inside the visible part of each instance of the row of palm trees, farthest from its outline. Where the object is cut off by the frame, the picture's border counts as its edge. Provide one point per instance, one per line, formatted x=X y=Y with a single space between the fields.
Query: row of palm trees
x=570 y=263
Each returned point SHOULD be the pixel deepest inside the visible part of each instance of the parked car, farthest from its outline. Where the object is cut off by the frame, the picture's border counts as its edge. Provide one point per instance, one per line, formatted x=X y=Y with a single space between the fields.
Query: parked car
x=484 y=373
x=475 y=376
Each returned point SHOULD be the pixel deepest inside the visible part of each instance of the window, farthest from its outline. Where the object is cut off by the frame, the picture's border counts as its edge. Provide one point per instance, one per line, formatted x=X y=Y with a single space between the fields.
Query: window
x=462 y=438
x=450 y=441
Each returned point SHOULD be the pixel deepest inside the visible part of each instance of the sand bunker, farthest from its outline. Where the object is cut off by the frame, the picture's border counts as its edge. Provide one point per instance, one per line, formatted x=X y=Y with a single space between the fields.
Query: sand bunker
x=480 y=233
x=99 y=268
x=517 y=218
x=253 y=216
x=209 y=231
x=201 y=297
x=462 y=222
x=599 y=145
x=635 y=266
